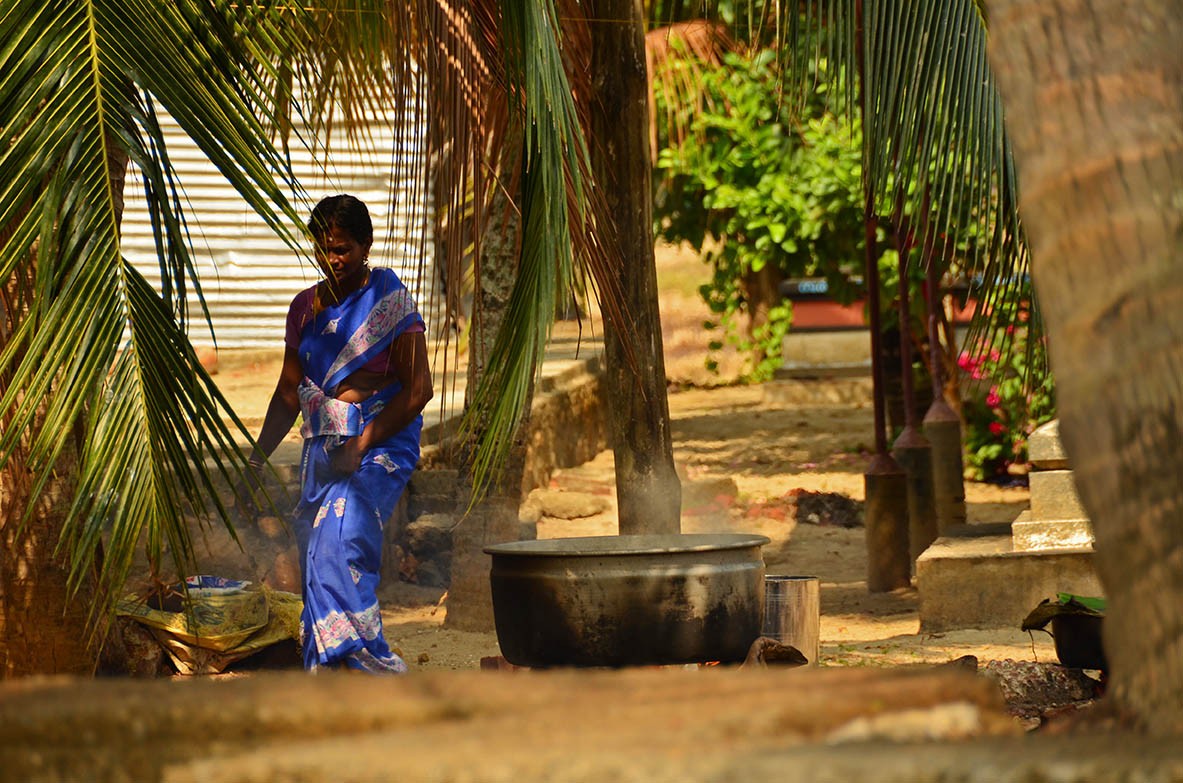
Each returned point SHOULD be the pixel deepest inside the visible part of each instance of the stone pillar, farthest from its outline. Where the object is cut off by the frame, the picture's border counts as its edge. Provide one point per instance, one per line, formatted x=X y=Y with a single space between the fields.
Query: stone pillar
x=1056 y=520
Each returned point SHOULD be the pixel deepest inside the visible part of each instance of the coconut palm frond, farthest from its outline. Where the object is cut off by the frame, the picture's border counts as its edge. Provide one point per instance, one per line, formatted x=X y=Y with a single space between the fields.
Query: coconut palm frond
x=935 y=151
x=597 y=272
x=463 y=102
x=93 y=347
x=663 y=13
x=674 y=56
x=554 y=165
x=341 y=60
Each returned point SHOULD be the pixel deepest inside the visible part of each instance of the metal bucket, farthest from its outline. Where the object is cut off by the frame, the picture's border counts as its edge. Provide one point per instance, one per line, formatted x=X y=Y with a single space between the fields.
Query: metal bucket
x=792 y=613
x=628 y=600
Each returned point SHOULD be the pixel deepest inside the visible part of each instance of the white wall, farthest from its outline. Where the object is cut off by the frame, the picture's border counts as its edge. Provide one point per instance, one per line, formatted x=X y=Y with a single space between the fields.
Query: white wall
x=248 y=274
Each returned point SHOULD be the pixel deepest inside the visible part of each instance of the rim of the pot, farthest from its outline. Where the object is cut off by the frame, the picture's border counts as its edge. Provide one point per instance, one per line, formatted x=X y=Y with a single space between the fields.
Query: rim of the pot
x=607 y=546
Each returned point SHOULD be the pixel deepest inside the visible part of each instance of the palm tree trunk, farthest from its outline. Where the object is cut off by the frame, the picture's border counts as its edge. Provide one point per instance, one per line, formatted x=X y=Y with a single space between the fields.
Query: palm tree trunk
x=44 y=625
x=649 y=494
x=43 y=628
x=1092 y=91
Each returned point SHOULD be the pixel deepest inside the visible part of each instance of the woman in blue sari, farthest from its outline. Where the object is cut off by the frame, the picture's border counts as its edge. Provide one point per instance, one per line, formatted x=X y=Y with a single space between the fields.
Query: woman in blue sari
x=355 y=366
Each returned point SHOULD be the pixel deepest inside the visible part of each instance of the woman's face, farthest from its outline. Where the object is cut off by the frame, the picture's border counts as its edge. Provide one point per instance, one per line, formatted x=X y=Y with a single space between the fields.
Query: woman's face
x=342 y=258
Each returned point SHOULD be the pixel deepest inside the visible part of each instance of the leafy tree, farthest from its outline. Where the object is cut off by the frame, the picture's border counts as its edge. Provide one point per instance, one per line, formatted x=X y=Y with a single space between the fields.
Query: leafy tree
x=763 y=189
x=766 y=179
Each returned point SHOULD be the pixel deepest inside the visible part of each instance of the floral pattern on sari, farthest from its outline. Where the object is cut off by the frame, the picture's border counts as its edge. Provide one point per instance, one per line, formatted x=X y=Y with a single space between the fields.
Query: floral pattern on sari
x=344 y=628
x=325 y=415
x=386 y=462
x=385 y=317
x=338 y=628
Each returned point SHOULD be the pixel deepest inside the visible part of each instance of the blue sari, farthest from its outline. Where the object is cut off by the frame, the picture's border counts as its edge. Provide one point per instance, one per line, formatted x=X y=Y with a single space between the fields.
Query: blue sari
x=339 y=520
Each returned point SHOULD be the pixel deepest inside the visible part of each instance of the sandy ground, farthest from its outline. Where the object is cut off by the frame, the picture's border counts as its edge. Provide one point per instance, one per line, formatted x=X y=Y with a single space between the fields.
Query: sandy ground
x=742 y=459
x=743 y=453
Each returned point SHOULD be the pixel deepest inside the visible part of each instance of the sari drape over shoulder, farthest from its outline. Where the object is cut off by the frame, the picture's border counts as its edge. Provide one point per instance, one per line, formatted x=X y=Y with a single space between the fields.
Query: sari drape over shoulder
x=339 y=520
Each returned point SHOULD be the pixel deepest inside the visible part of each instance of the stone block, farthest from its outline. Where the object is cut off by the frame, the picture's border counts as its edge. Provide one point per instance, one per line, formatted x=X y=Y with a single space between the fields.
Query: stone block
x=973 y=578
x=527 y=530
x=422 y=505
x=438 y=481
x=1044 y=449
x=430 y=533
x=566 y=504
x=286 y=462
x=437 y=573
x=421 y=553
x=470 y=596
x=567 y=427
x=821 y=353
x=435 y=491
x=1032 y=535
x=1053 y=495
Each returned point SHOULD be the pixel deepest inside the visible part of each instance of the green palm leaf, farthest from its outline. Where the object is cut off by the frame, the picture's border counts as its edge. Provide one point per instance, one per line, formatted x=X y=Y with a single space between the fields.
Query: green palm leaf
x=91 y=342
x=935 y=150
x=554 y=162
x=88 y=347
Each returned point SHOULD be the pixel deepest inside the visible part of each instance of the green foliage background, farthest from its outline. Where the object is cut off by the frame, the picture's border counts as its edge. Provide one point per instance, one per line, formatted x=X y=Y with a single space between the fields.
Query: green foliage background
x=758 y=185
x=766 y=188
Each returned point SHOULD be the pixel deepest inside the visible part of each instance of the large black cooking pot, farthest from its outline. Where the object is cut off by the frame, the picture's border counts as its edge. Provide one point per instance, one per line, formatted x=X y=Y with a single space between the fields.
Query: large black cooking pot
x=628 y=600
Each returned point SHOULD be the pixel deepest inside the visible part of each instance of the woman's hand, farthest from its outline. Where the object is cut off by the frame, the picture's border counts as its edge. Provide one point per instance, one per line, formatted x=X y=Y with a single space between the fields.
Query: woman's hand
x=346 y=458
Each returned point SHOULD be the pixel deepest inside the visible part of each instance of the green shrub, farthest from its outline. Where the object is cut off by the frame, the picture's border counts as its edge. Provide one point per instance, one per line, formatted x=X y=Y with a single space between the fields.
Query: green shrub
x=759 y=190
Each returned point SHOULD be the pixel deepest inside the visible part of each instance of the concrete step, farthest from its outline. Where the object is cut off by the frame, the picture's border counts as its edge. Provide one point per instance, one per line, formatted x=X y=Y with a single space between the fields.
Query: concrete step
x=1031 y=534
x=786 y=390
x=972 y=577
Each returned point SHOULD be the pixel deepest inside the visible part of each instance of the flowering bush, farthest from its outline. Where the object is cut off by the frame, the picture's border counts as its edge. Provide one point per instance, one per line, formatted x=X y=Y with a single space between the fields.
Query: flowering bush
x=1010 y=392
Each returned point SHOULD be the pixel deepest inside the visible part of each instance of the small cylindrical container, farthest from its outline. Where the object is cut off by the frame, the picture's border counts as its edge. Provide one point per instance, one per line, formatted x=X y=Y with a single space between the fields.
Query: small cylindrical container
x=792 y=613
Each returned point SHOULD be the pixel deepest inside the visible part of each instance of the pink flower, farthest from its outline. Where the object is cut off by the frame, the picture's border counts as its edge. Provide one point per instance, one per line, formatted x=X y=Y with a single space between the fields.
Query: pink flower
x=992 y=398
x=967 y=362
x=995 y=356
x=996 y=428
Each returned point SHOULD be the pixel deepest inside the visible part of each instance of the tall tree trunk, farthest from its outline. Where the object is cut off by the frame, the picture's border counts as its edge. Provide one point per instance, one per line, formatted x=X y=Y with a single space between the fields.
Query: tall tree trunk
x=43 y=629
x=649 y=494
x=494 y=519
x=44 y=626
x=1094 y=99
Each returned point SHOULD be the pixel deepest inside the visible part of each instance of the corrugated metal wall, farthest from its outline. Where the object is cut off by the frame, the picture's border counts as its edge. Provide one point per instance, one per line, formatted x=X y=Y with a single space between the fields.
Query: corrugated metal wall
x=248 y=274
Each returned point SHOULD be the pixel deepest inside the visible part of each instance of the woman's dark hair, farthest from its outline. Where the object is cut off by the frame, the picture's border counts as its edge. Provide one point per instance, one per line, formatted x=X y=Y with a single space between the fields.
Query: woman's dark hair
x=345 y=212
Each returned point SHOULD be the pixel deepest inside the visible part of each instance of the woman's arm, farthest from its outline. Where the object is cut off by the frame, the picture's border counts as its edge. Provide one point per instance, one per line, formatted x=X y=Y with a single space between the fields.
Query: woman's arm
x=283 y=408
x=409 y=362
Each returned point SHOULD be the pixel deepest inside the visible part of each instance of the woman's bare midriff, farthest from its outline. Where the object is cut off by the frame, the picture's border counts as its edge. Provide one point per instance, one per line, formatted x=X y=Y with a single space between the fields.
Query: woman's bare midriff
x=362 y=385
